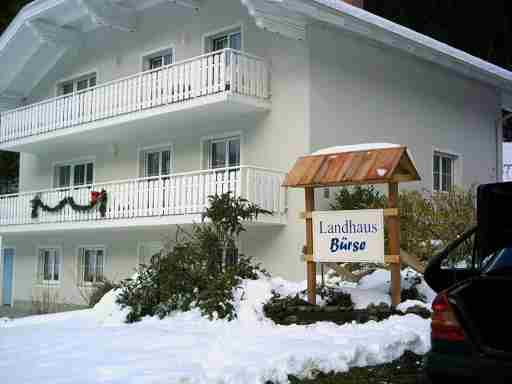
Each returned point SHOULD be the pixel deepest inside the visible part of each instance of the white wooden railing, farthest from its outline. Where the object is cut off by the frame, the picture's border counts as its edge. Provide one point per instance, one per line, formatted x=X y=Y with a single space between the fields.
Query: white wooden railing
x=507 y=172
x=222 y=71
x=177 y=194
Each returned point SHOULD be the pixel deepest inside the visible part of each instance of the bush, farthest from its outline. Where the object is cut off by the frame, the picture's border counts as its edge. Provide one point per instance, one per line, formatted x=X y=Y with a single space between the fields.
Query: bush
x=412 y=293
x=201 y=268
x=335 y=296
x=428 y=221
x=358 y=197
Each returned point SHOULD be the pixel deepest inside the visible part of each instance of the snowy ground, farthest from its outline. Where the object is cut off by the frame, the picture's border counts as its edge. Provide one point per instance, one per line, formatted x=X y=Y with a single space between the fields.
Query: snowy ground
x=95 y=346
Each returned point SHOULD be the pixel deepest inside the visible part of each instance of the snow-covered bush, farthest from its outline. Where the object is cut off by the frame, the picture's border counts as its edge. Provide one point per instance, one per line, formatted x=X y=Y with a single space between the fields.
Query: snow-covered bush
x=428 y=221
x=201 y=268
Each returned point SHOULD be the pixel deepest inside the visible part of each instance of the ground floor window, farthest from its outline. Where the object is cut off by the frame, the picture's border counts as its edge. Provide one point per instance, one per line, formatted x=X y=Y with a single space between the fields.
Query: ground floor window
x=91 y=264
x=444 y=171
x=48 y=267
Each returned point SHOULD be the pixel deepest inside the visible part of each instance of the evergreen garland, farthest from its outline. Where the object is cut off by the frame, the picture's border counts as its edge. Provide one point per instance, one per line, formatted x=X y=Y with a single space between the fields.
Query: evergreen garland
x=101 y=199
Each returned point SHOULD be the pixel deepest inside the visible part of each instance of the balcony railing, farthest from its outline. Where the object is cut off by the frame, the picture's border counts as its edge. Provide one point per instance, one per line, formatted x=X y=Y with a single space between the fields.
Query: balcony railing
x=177 y=194
x=222 y=71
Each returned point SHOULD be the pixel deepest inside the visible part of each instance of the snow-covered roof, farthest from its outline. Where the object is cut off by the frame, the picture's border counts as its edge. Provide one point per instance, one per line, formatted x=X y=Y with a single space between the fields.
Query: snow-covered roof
x=44 y=29
x=342 y=15
x=371 y=163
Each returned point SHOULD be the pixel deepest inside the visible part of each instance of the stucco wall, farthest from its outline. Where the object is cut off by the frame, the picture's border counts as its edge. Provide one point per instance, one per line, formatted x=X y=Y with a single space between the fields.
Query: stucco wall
x=121 y=259
x=367 y=93
x=272 y=139
x=334 y=89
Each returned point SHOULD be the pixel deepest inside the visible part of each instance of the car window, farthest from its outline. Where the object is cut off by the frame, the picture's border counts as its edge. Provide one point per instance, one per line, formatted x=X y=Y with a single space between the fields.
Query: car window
x=460 y=257
x=498 y=261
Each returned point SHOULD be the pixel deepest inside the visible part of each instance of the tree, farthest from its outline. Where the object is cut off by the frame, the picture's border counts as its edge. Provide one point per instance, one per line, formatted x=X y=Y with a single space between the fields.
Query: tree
x=9 y=161
x=482 y=29
x=8 y=10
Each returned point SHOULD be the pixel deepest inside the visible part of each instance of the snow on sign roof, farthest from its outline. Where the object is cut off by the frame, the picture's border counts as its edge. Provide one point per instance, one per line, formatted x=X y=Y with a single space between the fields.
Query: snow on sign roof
x=354 y=148
x=361 y=164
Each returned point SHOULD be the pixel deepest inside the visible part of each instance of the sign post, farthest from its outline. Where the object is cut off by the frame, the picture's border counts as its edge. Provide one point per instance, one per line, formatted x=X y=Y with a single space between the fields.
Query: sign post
x=394 y=245
x=311 y=264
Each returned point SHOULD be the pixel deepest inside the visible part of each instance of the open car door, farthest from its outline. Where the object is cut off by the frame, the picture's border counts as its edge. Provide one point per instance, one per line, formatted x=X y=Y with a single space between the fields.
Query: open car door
x=492 y=233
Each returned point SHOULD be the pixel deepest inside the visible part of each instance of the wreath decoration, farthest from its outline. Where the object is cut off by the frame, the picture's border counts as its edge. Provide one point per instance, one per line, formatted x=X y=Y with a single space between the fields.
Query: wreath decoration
x=97 y=198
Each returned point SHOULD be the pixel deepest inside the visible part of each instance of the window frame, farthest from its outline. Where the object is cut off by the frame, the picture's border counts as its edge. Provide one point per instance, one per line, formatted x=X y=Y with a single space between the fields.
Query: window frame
x=155 y=53
x=454 y=160
x=151 y=149
x=73 y=163
x=143 y=246
x=74 y=80
x=206 y=141
x=40 y=281
x=209 y=37
x=80 y=279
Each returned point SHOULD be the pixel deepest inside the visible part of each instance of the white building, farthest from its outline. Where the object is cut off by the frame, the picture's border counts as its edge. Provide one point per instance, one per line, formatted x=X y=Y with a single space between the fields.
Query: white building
x=163 y=102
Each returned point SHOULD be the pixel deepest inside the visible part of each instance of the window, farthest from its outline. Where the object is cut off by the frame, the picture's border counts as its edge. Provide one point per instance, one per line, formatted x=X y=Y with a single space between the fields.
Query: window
x=75 y=174
x=78 y=84
x=156 y=162
x=224 y=152
x=225 y=40
x=91 y=264
x=48 y=267
x=444 y=168
x=148 y=251
x=158 y=59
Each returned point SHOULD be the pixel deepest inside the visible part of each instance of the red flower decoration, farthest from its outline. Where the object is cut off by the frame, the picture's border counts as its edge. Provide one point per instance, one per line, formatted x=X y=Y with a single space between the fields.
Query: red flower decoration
x=94 y=196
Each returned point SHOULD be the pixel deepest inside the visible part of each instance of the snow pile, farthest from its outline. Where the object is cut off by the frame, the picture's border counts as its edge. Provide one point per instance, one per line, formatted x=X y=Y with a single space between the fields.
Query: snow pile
x=108 y=312
x=403 y=307
x=380 y=281
x=85 y=346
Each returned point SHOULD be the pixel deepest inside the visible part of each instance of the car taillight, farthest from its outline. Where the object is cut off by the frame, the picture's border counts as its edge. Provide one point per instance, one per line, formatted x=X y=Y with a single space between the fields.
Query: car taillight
x=445 y=325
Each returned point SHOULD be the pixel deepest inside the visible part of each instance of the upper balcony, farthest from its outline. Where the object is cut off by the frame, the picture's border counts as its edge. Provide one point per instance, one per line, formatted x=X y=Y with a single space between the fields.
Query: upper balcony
x=204 y=88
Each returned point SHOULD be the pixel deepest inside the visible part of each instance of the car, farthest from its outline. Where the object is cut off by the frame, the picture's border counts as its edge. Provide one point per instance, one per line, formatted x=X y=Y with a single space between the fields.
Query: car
x=472 y=313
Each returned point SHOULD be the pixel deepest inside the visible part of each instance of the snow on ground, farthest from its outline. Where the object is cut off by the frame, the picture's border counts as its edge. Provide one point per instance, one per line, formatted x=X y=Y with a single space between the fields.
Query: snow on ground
x=403 y=307
x=96 y=346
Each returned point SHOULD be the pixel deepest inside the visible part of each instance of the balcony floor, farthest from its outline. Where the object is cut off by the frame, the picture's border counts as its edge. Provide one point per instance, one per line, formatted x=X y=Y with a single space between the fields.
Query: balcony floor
x=129 y=223
x=160 y=123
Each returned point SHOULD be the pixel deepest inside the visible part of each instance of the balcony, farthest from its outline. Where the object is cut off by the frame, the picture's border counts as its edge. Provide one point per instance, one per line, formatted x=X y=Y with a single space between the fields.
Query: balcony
x=218 y=84
x=176 y=199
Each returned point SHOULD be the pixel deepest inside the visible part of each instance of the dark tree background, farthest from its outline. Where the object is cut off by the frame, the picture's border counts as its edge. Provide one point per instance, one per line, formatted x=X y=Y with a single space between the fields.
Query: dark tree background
x=9 y=161
x=481 y=28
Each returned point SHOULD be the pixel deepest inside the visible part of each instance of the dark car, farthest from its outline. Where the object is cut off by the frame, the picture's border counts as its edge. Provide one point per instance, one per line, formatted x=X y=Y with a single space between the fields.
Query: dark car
x=472 y=313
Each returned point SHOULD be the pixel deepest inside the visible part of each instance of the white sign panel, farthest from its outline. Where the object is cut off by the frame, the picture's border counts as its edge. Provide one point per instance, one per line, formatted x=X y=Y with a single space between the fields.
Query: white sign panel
x=349 y=236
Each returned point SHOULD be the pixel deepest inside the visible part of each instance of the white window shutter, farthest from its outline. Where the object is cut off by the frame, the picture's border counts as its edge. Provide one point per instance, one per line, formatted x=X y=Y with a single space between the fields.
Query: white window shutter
x=80 y=271
x=40 y=266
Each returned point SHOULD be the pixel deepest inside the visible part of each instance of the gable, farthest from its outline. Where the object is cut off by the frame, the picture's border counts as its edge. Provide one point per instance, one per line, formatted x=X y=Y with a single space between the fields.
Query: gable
x=45 y=30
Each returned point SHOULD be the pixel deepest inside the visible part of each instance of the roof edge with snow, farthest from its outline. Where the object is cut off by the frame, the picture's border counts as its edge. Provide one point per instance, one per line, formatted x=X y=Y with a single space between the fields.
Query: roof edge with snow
x=289 y=18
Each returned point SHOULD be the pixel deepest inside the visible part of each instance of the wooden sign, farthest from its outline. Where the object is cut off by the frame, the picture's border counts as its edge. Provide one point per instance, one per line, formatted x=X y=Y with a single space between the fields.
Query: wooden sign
x=354 y=165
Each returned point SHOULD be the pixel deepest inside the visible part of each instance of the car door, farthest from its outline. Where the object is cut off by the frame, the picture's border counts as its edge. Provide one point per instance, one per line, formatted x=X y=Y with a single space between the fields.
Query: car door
x=492 y=233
